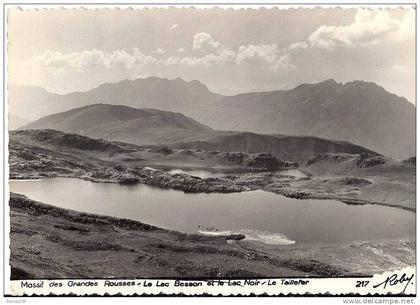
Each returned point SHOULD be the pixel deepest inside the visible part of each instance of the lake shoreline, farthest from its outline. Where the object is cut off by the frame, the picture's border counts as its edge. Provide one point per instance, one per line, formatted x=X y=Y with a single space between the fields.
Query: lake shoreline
x=192 y=184
x=391 y=184
x=260 y=215
x=47 y=241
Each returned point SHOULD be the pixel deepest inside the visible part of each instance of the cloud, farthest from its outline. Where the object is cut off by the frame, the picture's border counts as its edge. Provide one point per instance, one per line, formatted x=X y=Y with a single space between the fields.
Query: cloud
x=221 y=57
x=368 y=27
x=407 y=27
x=94 y=58
x=172 y=60
x=282 y=63
x=214 y=53
x=264 y=54
x=397 y=68
x=267 y=56
x=159 y=51
x=345 y=45
x=298 y=46
x=257 y=53
x=374 y=31
x=146 y=75
x=205 y=43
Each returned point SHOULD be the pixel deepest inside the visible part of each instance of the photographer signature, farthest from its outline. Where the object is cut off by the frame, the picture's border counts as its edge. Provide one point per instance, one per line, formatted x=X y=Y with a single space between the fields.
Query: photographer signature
x=394 y=280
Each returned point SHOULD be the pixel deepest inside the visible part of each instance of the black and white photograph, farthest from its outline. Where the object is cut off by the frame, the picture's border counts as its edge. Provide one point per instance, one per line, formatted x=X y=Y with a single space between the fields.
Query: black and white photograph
x=265 y=147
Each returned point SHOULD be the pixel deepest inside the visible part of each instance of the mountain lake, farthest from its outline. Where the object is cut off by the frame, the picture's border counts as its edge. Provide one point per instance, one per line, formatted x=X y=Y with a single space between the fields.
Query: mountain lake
x=259 y=215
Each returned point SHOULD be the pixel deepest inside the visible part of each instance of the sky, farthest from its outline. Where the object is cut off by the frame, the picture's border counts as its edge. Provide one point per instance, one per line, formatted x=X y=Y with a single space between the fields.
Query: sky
x=230 y=51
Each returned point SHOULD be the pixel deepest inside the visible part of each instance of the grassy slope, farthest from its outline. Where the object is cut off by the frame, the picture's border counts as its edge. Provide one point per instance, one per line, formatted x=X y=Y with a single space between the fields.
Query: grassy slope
x=123 y=123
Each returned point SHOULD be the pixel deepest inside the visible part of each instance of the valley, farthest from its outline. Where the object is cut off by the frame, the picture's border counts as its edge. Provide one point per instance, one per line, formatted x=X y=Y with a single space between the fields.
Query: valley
x=359 y=112
x=354 y=180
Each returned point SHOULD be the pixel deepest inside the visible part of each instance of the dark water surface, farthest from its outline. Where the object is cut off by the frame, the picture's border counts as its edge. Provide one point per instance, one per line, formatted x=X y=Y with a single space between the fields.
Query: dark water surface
x=260 y=215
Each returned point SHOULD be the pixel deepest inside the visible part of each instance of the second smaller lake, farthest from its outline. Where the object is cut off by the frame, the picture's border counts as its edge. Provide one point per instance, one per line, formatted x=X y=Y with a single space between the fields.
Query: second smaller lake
x=217 y=174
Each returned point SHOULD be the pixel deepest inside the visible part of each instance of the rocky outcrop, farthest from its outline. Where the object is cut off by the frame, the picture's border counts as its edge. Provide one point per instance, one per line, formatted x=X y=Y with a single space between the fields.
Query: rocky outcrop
x=350 y=161
x=187 y=183
x=410 y=161
x=258 y=160
x=335 y=158
x=369 y=160
x=354 y=181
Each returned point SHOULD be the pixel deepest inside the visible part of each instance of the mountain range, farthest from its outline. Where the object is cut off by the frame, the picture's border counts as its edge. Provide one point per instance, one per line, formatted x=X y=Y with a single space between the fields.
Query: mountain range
x=157 y=93
x=359 y=112
x=151 y=127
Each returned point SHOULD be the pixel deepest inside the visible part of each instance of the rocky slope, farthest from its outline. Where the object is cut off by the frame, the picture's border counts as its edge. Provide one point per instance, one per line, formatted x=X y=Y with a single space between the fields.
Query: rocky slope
x=359 y=112
x=293 y=148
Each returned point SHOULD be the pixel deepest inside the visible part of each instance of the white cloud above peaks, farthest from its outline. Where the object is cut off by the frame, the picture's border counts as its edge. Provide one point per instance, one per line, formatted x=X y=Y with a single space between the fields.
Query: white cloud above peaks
x=93 y=58
x=159 y=51
x=368 y=27
x=264 y=55
x=205 y=43
x=229 y=52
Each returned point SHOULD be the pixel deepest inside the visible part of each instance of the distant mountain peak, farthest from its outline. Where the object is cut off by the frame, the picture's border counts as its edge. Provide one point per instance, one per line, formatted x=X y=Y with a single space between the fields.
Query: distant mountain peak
x=155 y=80
x=362 y=83
x=329 y=81
x=30 y=89
x=374 y=88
